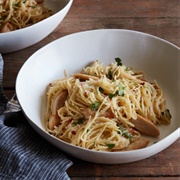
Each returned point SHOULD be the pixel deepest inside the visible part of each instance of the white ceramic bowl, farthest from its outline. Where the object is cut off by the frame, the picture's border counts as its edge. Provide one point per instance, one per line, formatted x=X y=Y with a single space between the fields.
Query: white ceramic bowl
x=22 y=38
x=158 y=58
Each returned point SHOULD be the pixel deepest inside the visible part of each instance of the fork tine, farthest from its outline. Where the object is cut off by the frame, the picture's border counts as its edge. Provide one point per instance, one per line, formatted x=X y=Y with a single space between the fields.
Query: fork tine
x=12 y=105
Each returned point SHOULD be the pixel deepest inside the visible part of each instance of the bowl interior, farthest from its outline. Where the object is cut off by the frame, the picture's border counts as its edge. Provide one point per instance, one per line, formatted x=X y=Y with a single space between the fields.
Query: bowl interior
x=156 y=57
x=56 y=5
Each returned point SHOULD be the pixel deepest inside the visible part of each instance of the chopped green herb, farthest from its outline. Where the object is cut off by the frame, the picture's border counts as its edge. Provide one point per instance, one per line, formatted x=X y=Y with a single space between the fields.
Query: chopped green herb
x=119 y=92
x=110 y=146
x=79 y=121
x=16 y=4
x=118 y=60
x=110 y=75
x=111 y=95
x=95 y=105
x=125 y=133
x=101 y=89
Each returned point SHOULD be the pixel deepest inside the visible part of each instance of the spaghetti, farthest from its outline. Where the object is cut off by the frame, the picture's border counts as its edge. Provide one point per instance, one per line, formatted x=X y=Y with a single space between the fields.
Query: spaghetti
x=93 y=109
x=17 y=14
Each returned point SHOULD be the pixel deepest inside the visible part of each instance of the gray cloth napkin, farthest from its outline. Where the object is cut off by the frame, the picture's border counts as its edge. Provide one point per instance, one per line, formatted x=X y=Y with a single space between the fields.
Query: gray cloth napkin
x=23 y=153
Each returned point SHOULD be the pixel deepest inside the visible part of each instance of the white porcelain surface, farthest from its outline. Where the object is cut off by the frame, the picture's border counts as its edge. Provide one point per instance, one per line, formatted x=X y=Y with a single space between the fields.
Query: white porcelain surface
x=22 y=38
x=158 y=58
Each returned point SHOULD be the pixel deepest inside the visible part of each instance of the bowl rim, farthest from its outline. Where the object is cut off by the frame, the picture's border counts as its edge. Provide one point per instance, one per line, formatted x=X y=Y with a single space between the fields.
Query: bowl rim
x=175 y=133
x=110 y=29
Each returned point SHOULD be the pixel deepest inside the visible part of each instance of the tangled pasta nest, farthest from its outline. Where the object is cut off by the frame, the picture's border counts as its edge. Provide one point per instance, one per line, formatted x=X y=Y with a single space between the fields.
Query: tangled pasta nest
x=105 y=108
x=17 y=14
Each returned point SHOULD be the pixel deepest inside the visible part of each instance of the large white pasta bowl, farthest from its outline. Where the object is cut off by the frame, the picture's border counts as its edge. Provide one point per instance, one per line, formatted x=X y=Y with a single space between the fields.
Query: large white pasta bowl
x=156 y=57
x=25 y=37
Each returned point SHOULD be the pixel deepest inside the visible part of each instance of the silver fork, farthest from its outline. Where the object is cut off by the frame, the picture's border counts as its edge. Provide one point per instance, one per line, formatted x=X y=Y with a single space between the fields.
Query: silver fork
x=12 y=105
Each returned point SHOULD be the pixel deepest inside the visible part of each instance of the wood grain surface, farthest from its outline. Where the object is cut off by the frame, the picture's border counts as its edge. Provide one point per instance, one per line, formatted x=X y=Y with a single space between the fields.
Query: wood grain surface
x=156 y=17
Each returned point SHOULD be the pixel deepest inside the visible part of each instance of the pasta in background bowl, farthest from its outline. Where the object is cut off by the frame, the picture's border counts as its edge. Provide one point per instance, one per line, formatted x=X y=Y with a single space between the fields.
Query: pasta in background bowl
x=26 y=22
x=140 y=51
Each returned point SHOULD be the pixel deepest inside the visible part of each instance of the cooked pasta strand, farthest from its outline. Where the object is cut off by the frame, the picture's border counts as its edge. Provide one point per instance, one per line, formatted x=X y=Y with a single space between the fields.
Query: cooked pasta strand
x=21 y=13
x=98 y=111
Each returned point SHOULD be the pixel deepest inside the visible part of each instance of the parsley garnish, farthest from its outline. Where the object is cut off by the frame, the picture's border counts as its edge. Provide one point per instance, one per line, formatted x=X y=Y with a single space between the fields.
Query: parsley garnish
x=119 y=92
x=125 y=133
x=118 y=60
x=112 y=95
x=110 y=75
x=101 y=89
x=127 y=69
x=17 y=4
x=79 y=121
x=95 y=105
x=110 y=146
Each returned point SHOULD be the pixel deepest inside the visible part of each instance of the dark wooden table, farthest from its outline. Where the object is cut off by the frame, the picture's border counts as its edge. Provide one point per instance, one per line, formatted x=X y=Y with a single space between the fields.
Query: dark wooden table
x=157 y=17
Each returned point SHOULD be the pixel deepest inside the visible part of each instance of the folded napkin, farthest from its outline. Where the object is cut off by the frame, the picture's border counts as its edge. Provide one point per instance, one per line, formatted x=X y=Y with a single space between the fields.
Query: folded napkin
x=23 y=153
